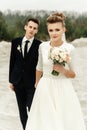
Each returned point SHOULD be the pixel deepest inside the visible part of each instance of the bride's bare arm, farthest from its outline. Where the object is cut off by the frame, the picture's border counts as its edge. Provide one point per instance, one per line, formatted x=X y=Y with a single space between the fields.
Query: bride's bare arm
x=67 y=72
x=38 y=76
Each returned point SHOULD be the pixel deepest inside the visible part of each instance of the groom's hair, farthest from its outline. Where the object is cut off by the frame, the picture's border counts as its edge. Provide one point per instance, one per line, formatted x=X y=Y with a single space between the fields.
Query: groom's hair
x=35 y=20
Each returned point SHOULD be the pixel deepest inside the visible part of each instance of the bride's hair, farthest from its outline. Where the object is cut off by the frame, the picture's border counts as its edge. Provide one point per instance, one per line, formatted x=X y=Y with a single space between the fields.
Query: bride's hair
x=56 y=17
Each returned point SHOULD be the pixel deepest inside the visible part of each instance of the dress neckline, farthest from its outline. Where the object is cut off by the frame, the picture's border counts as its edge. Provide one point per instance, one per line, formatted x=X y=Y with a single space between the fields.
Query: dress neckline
x=56 y=46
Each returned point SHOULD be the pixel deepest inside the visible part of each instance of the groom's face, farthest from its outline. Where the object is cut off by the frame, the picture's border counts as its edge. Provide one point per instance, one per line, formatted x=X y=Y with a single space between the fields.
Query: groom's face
x=31 y=29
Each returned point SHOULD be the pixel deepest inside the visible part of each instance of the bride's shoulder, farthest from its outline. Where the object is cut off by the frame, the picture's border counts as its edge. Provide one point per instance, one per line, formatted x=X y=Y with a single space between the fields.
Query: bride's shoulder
x=69 y=46
x=44 y=44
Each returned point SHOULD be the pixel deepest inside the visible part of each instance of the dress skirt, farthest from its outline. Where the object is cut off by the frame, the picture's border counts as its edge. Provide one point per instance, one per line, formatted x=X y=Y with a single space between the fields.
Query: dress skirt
x=55 y=106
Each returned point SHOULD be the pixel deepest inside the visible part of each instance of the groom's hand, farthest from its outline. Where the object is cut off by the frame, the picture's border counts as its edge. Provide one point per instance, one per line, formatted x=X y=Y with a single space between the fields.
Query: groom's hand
x=12 y=86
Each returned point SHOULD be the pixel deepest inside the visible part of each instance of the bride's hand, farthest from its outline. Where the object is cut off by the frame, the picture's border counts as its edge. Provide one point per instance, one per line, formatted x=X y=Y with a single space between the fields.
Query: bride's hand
x=58 y=68
x=12 y=86
x=35 y=85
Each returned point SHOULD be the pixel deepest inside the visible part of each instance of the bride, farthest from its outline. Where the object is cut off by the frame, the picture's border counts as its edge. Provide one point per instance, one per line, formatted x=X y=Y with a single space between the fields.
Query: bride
x=55 y=104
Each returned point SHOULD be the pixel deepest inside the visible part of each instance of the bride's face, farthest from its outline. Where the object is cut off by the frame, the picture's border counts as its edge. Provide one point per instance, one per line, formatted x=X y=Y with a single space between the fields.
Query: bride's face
x=55 y=31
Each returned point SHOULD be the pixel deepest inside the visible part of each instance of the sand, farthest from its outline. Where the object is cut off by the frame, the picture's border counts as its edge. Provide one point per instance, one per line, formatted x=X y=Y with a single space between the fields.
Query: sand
x=9 y=115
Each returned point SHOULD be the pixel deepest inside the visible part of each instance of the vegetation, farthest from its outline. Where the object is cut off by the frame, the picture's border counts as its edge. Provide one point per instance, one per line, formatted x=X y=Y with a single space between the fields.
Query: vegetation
x=12 y=24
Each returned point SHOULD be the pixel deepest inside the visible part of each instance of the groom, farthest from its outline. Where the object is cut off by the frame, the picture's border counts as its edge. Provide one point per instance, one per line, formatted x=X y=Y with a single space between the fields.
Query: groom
x=23 y=61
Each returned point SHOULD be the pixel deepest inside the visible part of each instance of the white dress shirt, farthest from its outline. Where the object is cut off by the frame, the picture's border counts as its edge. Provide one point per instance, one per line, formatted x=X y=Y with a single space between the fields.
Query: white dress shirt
x=29 y=44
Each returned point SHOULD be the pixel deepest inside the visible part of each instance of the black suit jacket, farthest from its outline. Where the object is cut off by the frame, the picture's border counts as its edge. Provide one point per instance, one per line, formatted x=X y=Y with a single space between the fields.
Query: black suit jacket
x=21 y=68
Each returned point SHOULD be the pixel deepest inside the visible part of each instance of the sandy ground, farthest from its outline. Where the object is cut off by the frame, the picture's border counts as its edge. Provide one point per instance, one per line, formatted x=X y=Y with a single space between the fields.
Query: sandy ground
x=9 y=117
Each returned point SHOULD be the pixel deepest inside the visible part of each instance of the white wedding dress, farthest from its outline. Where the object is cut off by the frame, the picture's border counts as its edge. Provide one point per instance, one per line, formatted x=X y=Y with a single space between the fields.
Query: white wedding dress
x=55 y=104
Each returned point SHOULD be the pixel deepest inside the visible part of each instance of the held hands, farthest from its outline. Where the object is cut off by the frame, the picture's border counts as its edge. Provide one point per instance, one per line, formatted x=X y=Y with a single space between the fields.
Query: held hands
x=35 y=85
x=12 y=86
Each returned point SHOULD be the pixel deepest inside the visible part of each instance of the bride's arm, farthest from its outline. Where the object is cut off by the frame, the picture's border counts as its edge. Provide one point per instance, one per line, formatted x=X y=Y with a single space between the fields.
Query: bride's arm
x=38 y=76
x=39 y=67
x=67 y=72
x=73 y=70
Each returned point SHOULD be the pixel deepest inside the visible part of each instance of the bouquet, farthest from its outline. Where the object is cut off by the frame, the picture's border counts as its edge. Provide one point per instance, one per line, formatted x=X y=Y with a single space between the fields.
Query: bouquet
x=59 y=56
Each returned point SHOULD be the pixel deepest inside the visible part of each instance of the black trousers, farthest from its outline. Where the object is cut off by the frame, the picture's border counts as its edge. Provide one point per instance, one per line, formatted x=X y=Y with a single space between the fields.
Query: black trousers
x=24 y=95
